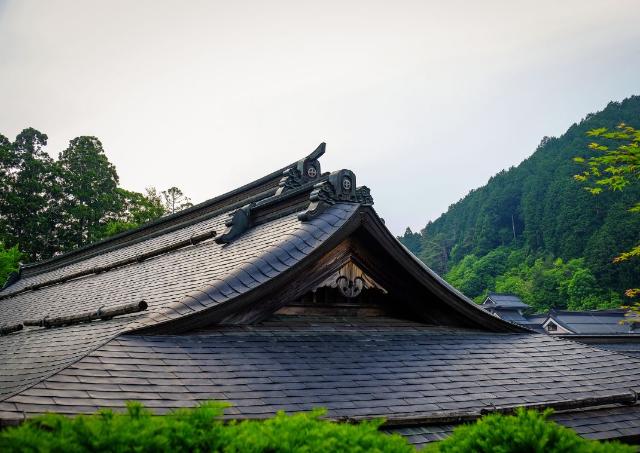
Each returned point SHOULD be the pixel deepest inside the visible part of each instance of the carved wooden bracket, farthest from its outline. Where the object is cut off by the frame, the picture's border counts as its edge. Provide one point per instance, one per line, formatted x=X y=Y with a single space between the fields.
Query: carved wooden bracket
x=350 y=281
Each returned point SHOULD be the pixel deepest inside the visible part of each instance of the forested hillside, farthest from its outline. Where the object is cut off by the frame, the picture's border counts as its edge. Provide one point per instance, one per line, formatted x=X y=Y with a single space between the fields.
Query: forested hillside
x=534 y=231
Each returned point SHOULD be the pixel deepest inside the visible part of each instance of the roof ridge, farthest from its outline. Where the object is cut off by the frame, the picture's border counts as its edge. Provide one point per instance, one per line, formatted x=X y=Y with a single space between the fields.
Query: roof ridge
x=269 y=184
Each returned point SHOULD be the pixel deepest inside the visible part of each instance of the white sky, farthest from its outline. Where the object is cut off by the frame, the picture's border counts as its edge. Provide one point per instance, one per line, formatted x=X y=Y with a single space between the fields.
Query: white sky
x=424 y=100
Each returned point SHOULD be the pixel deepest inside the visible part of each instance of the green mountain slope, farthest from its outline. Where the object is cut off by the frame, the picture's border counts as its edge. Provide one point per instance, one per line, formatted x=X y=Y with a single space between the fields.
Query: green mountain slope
x=535 y=231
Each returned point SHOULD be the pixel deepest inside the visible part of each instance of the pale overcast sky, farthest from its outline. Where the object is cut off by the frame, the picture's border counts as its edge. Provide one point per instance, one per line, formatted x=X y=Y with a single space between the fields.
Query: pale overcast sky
x=424 y=100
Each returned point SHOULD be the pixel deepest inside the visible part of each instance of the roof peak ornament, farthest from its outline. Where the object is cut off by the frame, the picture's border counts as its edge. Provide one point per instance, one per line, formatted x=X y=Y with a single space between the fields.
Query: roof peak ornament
x=340 y=186
x=302 y=172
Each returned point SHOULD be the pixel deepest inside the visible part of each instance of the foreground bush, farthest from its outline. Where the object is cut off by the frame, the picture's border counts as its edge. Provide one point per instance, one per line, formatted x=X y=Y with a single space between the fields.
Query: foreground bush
x=201 y=430
x=527 y=431
x=195 y=430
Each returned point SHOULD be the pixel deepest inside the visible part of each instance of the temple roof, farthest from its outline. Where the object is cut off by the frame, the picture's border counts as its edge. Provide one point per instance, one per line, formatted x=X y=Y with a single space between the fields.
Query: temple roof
x=196 y=267
x=197 y=306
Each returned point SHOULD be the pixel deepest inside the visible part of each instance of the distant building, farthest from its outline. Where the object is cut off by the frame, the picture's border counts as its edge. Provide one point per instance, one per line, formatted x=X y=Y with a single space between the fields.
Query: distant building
x=511 y=308
x=597 y=322
x=606 y=329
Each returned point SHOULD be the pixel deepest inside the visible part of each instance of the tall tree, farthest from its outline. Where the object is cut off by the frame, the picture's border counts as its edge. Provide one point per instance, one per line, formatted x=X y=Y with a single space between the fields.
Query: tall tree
x=134 y=210
x=9 y=261
x=90 y=184
x=175 y=200
x=30 y=194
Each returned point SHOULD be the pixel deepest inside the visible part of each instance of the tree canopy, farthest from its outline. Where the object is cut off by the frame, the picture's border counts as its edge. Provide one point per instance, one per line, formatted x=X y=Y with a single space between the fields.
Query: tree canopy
x=50 y=206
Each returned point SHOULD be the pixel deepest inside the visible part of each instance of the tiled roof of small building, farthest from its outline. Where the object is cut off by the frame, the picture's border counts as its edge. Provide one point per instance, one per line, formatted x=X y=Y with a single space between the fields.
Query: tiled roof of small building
x=593 y=322
x=505 y=301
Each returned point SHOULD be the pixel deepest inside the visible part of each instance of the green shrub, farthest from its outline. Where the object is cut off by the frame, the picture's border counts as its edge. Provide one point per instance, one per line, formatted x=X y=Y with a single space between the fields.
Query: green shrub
x=195 y=430
x=201 y=430
x=527 y=431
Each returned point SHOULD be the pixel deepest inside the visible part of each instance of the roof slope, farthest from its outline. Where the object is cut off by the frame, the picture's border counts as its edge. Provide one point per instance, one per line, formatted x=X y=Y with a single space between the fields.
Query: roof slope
x=185 y=281
x=170 y=283
x=602 y=424
x=592 y=322
x=505 y=301
x=349 y=366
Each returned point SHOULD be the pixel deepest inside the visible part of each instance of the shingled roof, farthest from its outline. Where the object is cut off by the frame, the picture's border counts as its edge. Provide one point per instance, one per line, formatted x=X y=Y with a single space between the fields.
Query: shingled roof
x=504 y=301
x=232 y=289
x=595 y=322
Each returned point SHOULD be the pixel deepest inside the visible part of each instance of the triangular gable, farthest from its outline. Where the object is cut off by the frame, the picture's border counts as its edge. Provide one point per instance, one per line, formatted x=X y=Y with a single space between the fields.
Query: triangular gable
x=235 y=259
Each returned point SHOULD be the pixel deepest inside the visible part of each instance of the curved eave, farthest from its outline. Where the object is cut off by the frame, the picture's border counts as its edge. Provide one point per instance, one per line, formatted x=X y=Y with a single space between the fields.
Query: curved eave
x=260 y=297
x=432 y=281
x=283 y=263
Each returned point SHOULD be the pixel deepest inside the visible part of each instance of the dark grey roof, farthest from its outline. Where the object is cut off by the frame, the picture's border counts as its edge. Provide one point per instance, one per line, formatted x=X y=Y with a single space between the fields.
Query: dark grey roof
x=390 y=369
x=420 y=436
x=185 y=286
x=538 y=319
x=505 y=301
x=628 y=348
x=515 y=316
x=171 y=284
x=619 y=422
x=593 y=322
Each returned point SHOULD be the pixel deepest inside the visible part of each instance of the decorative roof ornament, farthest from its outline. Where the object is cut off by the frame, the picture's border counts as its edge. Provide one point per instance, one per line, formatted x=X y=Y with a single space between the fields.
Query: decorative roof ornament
x=339 y=187
x=363 y=194
x=350 y=280
x=350 y=288
x=239 y=221
x=304 y=171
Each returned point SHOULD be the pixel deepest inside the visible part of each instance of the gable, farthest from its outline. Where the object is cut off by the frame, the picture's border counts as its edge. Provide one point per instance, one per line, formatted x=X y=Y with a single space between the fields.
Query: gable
x=235 y=260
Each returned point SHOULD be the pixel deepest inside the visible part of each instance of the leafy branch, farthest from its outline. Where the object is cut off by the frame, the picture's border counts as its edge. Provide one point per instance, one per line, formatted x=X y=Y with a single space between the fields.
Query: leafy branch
x=614 y=166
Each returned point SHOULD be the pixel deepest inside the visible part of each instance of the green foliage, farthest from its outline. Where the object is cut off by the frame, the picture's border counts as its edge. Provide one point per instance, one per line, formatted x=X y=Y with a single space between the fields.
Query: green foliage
x=195 y=430
x=48 y=207
x=134 y=209
x=412 y=241
x=90 y=189
x=615 y=169
x=527 y=431
x=202 y=430
x=305 y=432
x=174 y=200
x=539 y=210
x=542 y=282
x=9 y=261
x=30 y=194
